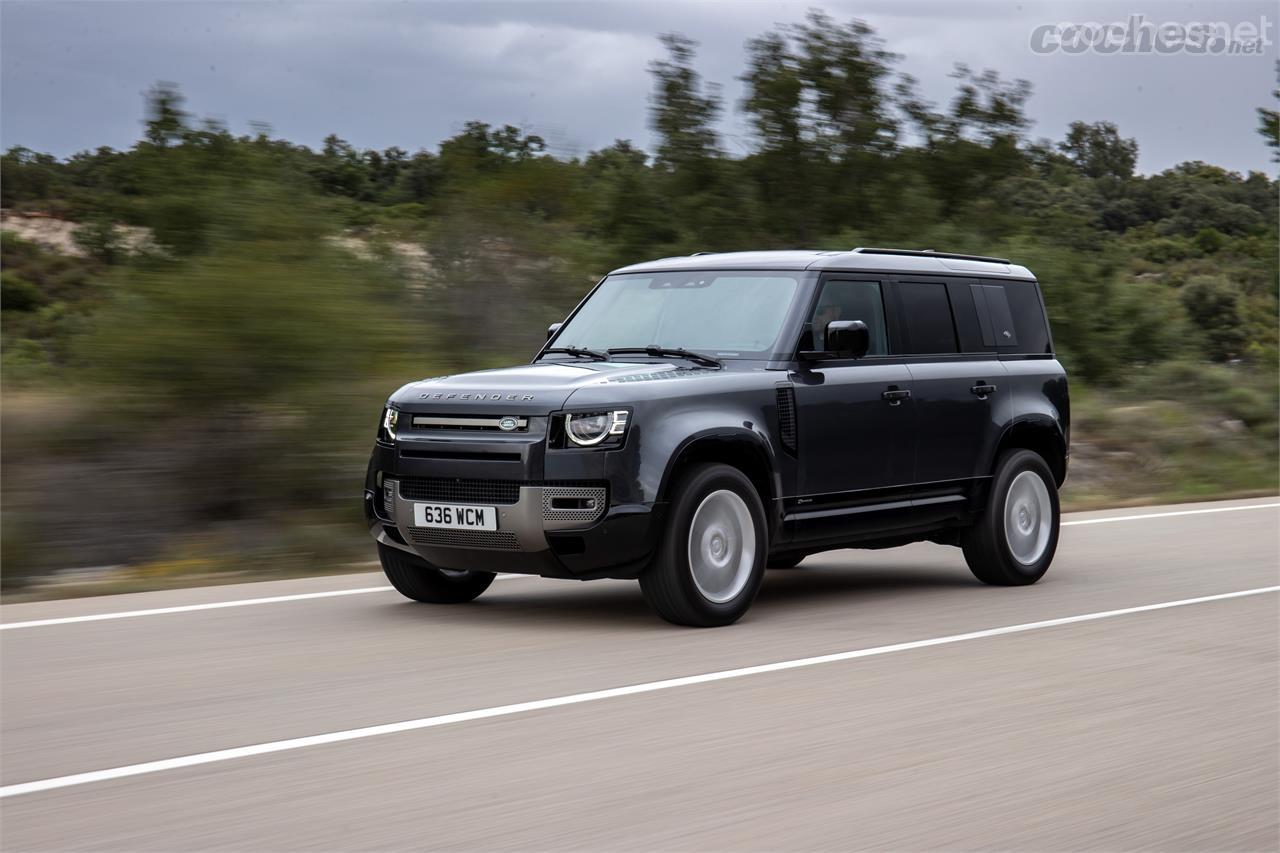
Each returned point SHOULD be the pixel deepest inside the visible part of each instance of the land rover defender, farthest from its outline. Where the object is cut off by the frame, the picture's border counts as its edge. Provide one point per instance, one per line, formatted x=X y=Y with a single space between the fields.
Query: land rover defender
x=697 y=419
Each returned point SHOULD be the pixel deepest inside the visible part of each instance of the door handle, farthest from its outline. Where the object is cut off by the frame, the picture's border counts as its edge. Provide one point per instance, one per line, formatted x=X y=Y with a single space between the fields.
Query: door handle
x=982 y=391
x=895 y=396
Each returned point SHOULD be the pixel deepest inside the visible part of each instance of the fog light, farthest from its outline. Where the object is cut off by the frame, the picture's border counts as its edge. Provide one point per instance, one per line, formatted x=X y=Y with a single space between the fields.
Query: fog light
x=389 y=499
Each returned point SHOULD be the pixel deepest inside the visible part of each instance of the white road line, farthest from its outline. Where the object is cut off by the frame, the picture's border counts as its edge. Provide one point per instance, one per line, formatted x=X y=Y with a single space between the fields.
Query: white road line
x=1168 y=514
x=276 y=599
x=214 y=605
x=579 y=698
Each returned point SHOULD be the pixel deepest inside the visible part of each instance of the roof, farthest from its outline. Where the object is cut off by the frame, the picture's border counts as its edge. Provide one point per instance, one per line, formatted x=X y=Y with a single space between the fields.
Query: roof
x=877 y=260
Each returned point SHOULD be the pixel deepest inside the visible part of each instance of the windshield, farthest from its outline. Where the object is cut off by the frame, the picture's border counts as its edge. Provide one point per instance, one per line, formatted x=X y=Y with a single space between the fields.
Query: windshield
x=731 y=314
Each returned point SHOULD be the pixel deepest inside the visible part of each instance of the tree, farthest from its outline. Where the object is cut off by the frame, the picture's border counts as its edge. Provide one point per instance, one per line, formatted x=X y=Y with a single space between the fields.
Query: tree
x=988 y=109
x=1099 y=151
x=1269 y=121
x=166 y=122
x=820 y=105
x=680 y=112
x=713 y=207
x=784 y=165
x=626 y=212
x=845 y=68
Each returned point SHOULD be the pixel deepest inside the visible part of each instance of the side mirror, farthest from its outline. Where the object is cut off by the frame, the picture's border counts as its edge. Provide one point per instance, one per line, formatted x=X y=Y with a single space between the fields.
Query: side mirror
x=552 y=329
x=848 y=338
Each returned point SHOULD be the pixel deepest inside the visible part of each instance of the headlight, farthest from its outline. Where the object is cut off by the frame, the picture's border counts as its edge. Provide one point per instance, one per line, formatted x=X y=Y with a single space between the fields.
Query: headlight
x=589 y=429
x=390 y=417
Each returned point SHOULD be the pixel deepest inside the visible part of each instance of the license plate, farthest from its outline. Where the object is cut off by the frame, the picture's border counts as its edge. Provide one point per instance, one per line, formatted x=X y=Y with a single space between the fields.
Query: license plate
x=456 y=516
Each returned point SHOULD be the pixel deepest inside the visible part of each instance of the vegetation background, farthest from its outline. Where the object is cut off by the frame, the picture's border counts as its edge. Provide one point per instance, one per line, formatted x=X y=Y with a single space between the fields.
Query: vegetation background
x=199 y=332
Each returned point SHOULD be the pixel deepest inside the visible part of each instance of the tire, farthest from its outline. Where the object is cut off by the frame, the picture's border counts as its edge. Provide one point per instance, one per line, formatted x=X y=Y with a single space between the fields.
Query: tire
x=415 y=578
x=1023 y=499
x=785 y=561
x=717 y=506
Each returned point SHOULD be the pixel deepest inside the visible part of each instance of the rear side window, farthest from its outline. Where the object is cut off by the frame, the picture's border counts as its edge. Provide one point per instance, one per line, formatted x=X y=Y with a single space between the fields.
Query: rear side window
x=1011 y=317
x=1028 y=317
x=994 y=316
x=926 y=311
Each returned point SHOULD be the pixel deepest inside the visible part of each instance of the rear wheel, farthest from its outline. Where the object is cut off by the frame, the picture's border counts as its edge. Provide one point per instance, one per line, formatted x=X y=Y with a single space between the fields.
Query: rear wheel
x=1014 y=541
x=712 y=557
x=415 y=578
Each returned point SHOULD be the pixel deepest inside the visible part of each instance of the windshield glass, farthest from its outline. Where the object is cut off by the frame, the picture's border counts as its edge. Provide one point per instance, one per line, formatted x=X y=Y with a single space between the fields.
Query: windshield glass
x=731 y=314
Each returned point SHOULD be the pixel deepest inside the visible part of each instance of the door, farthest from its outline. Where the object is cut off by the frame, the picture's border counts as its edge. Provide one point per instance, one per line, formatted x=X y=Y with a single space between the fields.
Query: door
x=855 y=417
x=959 y=389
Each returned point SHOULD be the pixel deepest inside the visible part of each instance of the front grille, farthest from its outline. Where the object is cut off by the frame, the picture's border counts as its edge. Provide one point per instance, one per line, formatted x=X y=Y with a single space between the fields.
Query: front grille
x=469 y=423
x=493 y=540
x=450 y=490
x=463 y=491
x=454 y=455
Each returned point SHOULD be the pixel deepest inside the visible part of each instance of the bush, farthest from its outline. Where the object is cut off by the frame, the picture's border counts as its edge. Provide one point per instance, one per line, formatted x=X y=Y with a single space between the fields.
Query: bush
x=100 y=240
x=1213 y=304
x=1209 y=240
x=18 y=294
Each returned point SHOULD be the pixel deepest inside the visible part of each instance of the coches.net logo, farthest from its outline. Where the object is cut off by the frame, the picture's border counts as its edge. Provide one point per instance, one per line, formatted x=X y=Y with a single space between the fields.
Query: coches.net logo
x=1137 y=35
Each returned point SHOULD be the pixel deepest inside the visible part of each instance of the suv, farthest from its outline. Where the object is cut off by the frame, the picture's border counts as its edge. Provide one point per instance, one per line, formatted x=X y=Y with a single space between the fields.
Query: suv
x=696 y=419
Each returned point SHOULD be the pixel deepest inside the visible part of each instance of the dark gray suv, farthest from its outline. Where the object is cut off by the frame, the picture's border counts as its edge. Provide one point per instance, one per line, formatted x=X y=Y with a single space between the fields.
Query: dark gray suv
x=698 y=419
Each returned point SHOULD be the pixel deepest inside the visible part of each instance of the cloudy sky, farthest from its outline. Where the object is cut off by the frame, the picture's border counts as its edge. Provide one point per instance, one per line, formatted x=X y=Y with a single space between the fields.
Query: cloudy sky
x=411 y=73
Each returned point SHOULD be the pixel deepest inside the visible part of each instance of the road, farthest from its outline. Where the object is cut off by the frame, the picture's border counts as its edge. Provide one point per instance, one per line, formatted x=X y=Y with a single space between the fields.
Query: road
x=949 y=715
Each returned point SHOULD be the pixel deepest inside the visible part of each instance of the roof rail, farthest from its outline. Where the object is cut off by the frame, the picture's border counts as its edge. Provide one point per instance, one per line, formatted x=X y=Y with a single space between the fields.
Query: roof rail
x=930 y=253
x=695 y=254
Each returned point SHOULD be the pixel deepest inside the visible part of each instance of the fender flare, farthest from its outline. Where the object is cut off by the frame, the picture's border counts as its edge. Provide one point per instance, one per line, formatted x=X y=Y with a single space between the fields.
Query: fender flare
x=754 y=441
x=1040 y=423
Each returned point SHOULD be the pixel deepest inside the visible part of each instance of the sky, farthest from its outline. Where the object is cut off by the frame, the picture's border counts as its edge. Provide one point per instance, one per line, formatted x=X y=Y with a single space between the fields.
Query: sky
x=379 y=74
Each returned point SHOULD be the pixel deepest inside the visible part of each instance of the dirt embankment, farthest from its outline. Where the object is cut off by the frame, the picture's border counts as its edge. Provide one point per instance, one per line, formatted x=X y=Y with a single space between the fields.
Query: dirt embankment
x=58 y=235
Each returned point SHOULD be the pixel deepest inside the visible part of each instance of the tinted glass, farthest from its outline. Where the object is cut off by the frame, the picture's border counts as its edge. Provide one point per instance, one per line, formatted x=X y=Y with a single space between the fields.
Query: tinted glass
x=725 y=314
x=926 y=310
x=1028 y=317
x=994 y=316
x=851 y=300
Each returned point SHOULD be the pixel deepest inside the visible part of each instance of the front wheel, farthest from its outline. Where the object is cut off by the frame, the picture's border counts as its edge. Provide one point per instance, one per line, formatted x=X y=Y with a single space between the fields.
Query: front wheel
x=415 y=578
x=1013 y=543
x=712 y=558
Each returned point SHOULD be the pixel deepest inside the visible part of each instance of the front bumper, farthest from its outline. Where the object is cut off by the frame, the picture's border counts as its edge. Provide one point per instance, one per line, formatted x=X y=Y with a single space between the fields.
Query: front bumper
x=554 y=529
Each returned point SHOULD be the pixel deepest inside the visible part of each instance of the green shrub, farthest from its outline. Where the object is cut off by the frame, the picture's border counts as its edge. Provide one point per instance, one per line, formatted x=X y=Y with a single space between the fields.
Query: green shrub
x=18 y=294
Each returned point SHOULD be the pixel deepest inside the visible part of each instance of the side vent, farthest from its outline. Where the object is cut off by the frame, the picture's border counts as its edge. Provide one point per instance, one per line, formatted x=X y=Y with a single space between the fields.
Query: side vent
x=787 y=417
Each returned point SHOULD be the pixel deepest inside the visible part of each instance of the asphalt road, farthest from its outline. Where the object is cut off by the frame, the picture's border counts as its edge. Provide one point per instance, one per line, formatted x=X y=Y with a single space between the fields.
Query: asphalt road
x=1155 y=728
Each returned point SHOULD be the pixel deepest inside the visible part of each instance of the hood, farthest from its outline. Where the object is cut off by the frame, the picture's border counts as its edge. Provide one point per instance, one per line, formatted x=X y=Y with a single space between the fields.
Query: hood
x=529 y=389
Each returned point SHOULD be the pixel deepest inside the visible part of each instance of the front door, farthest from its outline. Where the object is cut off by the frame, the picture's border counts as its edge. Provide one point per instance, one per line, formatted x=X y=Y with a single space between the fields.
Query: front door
x=855 y=418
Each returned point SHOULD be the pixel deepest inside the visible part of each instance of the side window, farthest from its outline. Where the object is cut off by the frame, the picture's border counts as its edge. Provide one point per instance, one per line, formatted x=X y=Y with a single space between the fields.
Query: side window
x=851 y=300
x=994 y=315
x=1028 y=317
x=926 y=311
x=1011 y=317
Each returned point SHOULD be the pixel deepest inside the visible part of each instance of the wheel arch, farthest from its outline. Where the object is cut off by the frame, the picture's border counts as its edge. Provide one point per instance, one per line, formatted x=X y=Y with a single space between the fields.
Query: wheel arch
x=1042 y=436
x=738 y=448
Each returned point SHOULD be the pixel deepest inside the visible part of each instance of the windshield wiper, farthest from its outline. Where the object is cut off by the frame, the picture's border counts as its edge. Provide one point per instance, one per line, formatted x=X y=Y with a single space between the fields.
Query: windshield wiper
x=656 y=351
x=581 y=352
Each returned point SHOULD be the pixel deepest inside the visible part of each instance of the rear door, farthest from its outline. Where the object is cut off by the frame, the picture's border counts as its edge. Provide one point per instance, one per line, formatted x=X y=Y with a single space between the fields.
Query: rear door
x=958 y=383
